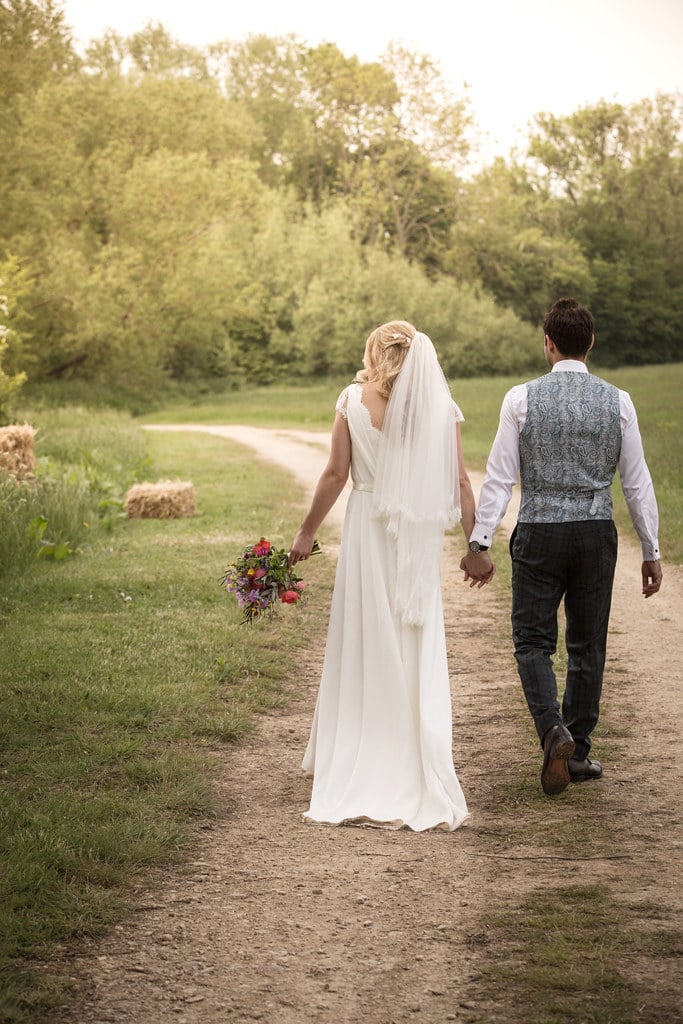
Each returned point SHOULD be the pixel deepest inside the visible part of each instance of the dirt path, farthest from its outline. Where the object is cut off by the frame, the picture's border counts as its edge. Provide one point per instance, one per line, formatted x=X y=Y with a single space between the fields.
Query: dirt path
x=283 y=922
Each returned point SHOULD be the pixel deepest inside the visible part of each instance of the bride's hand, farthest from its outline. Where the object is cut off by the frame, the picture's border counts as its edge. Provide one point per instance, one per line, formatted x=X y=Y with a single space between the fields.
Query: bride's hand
x=478 y=569
x=486 y=579
x=301 y=547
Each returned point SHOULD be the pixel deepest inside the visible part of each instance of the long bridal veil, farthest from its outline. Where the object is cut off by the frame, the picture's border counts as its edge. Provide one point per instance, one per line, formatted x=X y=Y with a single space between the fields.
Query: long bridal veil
x=417 y=490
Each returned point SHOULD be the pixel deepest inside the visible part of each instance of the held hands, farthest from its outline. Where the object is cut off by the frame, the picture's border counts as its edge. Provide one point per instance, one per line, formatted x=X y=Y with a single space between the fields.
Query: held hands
x=652 y=577
x=478 y=568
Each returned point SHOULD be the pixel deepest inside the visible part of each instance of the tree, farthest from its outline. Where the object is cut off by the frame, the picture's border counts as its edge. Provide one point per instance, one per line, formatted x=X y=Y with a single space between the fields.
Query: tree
x=511 y=236
x=242 y=210
x=14 y=286
x=320 y=110
x=619 y=172
x=263 y=77
x=429 y=113
x=341 y=288
x=348 y=106
x=35 y=45
x=160 y=296
x=386 y=136
x=83 y=210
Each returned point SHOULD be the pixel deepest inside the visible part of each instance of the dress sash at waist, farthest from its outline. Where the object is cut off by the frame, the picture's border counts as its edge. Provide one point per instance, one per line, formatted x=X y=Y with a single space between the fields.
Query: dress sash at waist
x=363 y=487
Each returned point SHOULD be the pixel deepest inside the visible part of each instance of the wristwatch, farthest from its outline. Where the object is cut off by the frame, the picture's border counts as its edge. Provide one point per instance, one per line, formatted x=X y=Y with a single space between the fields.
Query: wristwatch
x=475 y=547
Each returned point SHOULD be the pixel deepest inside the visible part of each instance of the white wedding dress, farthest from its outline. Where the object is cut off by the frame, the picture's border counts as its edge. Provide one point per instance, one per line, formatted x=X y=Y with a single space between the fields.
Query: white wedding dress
x=380 y=744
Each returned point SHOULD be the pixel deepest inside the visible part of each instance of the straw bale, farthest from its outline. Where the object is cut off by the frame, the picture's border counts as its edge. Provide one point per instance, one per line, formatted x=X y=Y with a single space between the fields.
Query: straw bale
x=165 y=499
x=17 y=456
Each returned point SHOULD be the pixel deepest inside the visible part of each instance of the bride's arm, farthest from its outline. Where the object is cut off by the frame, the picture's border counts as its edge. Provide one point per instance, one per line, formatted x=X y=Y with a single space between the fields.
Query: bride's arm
x=484 y=567
x=466 y=492
x=329 y=487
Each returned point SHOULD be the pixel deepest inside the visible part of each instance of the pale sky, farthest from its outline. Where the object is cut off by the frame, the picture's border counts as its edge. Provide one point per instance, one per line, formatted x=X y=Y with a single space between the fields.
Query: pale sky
x=519 y=57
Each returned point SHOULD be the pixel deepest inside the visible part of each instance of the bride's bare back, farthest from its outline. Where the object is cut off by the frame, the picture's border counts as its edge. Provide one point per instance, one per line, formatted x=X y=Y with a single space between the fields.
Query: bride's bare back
x=375 y=403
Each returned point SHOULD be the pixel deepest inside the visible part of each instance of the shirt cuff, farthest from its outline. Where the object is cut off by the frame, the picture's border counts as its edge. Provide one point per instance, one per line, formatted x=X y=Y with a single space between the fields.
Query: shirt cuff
x=482 y=534
x=650 y=551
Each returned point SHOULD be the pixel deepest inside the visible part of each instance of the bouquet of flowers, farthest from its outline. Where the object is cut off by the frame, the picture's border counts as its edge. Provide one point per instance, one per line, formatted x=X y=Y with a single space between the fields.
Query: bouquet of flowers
x=261 y=577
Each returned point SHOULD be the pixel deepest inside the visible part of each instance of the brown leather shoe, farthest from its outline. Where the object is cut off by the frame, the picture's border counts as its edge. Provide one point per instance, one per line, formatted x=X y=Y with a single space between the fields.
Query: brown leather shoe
x=558 y=747
x=584 y=771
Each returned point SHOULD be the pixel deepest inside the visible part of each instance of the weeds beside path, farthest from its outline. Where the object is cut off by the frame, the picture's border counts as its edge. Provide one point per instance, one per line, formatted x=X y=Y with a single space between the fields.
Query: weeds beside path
x=537 y=911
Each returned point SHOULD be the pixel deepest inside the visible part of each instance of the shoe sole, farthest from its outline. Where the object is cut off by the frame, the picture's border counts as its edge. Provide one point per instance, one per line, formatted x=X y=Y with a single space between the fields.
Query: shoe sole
x=555 y=775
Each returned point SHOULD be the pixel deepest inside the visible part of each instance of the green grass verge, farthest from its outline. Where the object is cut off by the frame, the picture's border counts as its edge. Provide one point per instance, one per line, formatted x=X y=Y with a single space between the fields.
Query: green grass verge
x=123 y=666
x=309 y=406
x=565 y=956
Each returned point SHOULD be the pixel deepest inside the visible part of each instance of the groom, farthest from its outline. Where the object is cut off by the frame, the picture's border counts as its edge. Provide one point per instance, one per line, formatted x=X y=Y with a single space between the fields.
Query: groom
x=565 y=434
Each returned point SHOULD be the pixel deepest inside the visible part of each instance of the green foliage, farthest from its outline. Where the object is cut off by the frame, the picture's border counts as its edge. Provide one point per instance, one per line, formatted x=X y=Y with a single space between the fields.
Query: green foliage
x=150 y=202
x=343 y=290
x=594 y=210
x=512 y=237
x=228 y=214
x=85 y=463
x=13 y=289
x=132 y=265
x=42 y=520
x=35 y=46
x=619 y=172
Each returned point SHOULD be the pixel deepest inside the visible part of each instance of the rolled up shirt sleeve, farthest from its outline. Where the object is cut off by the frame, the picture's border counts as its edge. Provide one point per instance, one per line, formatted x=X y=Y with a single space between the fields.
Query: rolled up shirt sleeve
x=502 y=467
x=636 y=481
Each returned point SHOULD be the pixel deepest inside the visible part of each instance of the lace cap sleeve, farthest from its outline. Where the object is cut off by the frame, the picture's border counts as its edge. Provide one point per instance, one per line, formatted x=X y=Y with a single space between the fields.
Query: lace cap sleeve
x=458 y=414
x=342 y=403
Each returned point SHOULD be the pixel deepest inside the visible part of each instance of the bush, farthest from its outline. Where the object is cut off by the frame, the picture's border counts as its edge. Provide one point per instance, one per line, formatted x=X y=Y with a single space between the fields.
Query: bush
x=350 y=290
x=86 y=461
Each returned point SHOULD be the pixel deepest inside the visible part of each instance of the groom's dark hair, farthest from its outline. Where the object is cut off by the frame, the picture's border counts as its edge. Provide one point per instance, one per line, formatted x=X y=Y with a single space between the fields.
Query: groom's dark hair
x=570 y=327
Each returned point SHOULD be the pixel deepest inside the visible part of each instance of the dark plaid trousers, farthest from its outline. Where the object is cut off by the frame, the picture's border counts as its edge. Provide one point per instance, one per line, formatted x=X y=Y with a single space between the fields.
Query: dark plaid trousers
x=552 y=561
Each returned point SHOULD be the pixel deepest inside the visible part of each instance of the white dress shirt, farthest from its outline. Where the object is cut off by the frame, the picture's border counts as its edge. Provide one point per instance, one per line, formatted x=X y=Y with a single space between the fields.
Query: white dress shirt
x=502 y=468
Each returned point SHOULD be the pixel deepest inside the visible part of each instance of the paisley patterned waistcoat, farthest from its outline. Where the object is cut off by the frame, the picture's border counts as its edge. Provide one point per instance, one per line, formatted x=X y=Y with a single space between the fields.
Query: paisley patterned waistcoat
x=569 y=448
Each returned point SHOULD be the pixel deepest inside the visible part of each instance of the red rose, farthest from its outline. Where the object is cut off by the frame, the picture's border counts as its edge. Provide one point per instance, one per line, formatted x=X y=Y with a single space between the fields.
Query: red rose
x=290 y=596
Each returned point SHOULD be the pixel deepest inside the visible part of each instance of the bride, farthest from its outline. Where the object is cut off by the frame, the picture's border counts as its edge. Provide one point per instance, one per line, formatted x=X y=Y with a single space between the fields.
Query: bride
x=380 y=744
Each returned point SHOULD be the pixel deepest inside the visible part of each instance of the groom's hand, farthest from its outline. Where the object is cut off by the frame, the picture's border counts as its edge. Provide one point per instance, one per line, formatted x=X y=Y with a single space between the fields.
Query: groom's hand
x=478 y=568
x=652 y=577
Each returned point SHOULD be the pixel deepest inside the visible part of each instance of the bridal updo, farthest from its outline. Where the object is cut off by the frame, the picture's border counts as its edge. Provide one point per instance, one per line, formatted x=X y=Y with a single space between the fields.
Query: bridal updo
x=385 y=351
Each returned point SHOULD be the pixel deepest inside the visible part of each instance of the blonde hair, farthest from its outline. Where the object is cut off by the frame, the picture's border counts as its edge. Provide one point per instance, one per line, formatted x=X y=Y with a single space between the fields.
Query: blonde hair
x=385 y=352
